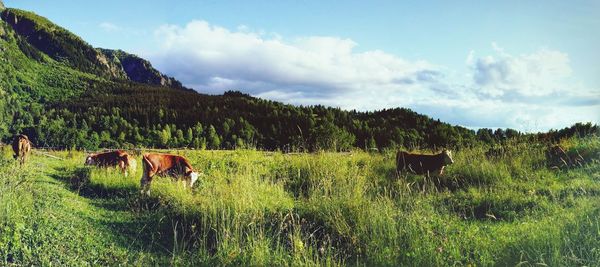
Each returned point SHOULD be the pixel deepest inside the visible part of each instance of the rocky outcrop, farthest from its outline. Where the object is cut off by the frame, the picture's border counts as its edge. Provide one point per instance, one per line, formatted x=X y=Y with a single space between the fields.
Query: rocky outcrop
x=140 y=70
x=37 y=35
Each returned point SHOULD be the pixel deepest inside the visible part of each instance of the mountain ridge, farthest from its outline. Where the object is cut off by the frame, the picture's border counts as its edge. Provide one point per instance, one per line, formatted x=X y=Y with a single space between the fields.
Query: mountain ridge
x=64 y=46
x=140 y=70
x=63 y=92
x=60 y=44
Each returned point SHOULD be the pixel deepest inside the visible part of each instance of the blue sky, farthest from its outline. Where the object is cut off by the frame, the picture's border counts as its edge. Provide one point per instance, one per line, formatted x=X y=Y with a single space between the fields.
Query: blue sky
x=530 y=65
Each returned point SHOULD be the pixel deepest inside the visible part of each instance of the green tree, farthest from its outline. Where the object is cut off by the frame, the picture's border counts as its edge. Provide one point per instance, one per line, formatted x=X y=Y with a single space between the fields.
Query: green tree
x=165 y=136
x=180 y=139
x=189 y=136
x=328 y=136
x=213 y=140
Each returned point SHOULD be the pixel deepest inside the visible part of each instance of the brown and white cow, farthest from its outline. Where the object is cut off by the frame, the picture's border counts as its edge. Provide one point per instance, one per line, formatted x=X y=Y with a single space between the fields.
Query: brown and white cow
x=163 y=165
x=21 y=146
x=423 y=164
x=117 y=158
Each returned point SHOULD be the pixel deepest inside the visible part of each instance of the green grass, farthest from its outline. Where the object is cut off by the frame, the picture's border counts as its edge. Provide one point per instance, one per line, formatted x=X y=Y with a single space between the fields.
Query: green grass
x=258 y=208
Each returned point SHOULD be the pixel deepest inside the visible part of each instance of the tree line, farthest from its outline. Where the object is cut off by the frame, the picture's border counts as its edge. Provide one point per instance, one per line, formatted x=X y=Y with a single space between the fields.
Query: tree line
x=135 y=115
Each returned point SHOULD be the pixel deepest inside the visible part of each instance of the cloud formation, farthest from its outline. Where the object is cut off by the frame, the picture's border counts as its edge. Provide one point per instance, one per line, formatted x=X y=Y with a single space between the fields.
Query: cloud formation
x=540 y=73
x=529 y=92
x=109 y=27
x=214 y=59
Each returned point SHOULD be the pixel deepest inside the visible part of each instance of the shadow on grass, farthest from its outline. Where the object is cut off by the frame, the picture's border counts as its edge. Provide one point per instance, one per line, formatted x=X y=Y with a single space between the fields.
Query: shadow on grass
x=78 y=180
x=137 y=222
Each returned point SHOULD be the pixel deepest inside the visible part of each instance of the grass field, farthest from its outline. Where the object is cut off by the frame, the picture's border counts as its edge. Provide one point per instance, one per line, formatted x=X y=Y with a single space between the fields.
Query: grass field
x=260 y=208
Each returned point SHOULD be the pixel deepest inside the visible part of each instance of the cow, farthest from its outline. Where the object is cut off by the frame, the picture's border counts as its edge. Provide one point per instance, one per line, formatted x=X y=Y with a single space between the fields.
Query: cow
x=423 y=164
x=21 y=146
x=117 y=158
x=165 y=164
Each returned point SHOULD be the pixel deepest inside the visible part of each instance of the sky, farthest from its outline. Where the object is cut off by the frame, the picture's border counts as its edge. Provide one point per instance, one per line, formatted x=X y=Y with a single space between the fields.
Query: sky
x=526 y=65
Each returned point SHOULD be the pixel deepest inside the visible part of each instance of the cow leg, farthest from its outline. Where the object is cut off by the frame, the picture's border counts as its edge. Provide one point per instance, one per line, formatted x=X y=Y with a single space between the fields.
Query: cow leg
x=411 y=169
x=123 y=167
x=21 y=153
x=146 y=180
x=145 y=184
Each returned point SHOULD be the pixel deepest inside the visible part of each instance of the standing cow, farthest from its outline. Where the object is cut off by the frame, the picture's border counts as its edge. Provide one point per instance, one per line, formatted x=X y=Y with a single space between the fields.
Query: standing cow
x=22 y=147
x=163 y=164
x=423 y=164
x=117 y=158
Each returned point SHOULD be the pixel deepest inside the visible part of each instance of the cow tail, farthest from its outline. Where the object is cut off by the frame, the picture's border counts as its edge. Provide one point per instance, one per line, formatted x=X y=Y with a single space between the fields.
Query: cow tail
x=404 y=165
x=146 y=165
x=27 y=146
x=398 y=163
x=146 y=179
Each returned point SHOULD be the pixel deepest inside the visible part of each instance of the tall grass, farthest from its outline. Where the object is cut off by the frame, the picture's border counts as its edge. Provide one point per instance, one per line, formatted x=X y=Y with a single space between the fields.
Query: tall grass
x=16 y=202
x=257 y=208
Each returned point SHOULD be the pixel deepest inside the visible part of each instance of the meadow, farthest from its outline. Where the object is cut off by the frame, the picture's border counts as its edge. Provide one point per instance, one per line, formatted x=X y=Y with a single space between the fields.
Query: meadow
x=325 y=209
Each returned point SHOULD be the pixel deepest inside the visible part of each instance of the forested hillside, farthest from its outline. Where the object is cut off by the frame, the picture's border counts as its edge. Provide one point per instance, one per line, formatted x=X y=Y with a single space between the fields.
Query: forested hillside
x=62 y=92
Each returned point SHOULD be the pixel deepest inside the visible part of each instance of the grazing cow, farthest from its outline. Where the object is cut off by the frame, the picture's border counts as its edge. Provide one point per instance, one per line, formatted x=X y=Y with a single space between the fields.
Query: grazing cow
x=423 y=164
x=117 y=158
x=163 y=164
x=21 y=146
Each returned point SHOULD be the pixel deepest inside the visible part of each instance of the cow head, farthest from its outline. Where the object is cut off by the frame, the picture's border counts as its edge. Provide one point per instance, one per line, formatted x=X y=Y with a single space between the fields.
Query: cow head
x=89 y=160
x=447 y=157
x=193 y=178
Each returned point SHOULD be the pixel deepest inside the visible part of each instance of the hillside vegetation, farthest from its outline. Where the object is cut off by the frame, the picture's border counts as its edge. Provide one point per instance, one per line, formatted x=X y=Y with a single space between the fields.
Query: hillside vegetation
x=259 y=208
x=62 y=92
x=500 y=204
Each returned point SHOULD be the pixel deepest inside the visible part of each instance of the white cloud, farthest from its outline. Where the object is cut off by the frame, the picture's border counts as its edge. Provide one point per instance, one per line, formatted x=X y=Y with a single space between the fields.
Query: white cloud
x=109 y=27
x=541 y=73
x=207 y=55
x=528 y=92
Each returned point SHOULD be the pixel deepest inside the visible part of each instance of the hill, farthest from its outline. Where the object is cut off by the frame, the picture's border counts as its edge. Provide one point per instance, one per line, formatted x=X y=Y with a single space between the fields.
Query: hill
x=63 y=92
x=262 y=208
x=99 y=97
